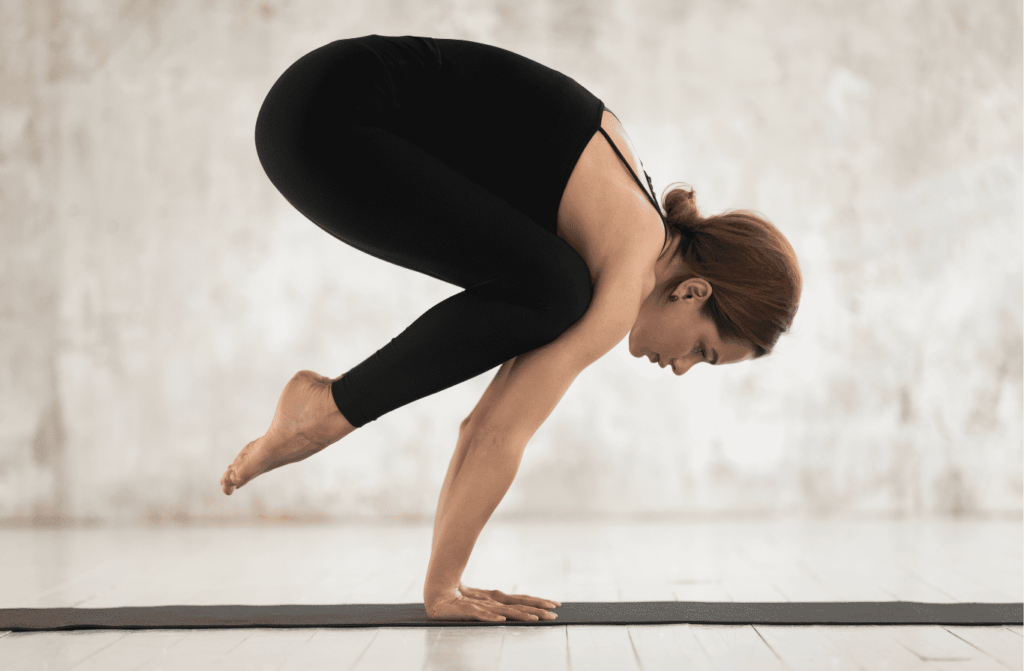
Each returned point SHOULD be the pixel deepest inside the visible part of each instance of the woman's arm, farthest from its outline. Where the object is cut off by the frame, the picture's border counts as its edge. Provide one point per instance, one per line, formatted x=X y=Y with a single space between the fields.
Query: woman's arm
x=463 y=442
x=492 y=443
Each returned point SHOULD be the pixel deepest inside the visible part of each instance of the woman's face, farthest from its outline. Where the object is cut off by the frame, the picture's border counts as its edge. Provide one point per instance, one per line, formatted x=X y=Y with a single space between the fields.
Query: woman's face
x=671 y=332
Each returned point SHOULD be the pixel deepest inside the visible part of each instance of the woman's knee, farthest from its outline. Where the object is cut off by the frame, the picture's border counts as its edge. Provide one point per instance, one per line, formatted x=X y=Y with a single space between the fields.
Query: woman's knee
x=566 y=293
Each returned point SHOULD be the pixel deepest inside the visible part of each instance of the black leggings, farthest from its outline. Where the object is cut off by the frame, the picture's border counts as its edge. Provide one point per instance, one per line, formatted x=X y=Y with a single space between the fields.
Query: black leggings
x=358 y=178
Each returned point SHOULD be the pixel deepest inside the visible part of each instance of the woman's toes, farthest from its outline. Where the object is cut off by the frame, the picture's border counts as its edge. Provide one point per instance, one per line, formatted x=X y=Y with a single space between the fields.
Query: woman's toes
x=225 y=482
x=306 y=421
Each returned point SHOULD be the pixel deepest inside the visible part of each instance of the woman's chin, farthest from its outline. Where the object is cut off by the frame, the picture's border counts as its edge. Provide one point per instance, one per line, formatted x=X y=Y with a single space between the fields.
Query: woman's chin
x=644 y=368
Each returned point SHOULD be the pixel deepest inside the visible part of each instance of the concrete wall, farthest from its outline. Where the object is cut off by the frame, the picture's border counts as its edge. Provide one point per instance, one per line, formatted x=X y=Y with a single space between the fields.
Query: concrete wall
x=156 y=291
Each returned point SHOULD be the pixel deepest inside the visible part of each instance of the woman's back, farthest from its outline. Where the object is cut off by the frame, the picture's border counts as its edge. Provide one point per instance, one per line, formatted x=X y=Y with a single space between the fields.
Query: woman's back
x=514 y=126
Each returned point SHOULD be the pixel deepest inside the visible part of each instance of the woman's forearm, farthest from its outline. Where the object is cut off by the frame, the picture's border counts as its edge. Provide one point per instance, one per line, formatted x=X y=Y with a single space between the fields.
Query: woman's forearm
x=486 y=472
x=465 y=431
x=453 y=469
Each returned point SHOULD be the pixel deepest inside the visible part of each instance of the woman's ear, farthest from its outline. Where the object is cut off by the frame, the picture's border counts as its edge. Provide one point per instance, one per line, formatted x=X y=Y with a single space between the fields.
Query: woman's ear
x=696 y=287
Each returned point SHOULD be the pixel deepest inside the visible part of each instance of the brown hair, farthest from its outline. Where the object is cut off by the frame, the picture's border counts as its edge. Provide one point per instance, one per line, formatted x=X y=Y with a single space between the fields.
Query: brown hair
x=749 y=264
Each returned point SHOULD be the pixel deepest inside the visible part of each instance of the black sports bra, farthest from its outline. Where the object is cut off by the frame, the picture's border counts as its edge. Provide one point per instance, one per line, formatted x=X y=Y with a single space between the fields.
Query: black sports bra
x=649 y=183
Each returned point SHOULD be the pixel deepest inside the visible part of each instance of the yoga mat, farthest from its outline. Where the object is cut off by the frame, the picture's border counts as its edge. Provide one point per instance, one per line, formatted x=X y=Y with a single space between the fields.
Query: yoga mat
x=413 y=615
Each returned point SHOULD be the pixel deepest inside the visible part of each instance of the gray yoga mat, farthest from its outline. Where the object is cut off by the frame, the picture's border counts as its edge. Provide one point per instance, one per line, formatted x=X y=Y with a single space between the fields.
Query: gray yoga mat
x=413 y=615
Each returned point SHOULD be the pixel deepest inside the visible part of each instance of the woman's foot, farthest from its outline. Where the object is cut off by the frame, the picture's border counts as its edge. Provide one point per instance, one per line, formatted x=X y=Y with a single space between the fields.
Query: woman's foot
x=306 y=421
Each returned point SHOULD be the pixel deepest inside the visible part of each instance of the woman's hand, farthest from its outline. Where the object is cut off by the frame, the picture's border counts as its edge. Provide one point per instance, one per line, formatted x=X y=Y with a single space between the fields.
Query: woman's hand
x=467 y=603
x=508 y=599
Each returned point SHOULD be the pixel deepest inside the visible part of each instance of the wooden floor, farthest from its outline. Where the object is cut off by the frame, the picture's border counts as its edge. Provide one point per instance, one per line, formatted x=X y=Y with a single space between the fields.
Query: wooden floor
x=932 y=561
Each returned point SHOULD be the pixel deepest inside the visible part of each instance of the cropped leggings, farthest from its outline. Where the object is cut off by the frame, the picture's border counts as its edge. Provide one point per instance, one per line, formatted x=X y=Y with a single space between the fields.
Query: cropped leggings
x=370 y=187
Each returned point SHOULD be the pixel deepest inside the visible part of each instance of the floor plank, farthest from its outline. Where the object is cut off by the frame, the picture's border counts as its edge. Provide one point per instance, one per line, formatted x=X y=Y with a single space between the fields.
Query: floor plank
x=737 y=647
x=933 y=643
x=133 y=650
x=967 y=585
x=747 y=590
x=266 y=649
x=910 y=588
x=336 y=648
x=52 y=650
x=18 y=645
x=534 y=649
x=711 y=591
x=397 y=648
x=669 y=647
x=871 y=648
x=200 y=649
x=996 y=642
x=80 y=587
x=641 y=590
x=976 y=664
x=805 y=649
x=598 y=647
x=847 y=585
x=463 y=648
x=604 y=590
x=804 y=588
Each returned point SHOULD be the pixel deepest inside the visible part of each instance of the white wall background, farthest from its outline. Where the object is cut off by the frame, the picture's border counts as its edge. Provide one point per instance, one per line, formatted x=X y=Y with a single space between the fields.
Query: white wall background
x=156 y=292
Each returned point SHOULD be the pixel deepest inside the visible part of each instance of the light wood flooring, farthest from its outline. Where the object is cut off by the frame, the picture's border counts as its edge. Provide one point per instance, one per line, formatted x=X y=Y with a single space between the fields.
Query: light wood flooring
x=770 y=560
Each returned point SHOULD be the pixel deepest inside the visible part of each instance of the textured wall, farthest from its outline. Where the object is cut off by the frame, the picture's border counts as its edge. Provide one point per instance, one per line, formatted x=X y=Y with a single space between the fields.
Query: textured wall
x=156 y=292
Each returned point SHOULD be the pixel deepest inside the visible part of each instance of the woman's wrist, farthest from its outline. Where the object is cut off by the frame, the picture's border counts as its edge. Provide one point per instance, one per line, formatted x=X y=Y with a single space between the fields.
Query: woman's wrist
x=434 y=591
x=443 y=578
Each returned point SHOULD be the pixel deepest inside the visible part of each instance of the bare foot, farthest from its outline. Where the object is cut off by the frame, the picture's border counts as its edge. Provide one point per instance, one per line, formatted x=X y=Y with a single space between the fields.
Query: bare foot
x=306 y=421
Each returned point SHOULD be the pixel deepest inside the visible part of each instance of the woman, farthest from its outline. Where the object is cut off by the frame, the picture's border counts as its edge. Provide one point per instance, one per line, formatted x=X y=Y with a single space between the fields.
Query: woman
x=485 y=169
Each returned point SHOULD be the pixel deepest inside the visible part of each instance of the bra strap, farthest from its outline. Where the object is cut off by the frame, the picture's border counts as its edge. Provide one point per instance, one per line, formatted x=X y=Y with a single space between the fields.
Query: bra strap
x=626 y=163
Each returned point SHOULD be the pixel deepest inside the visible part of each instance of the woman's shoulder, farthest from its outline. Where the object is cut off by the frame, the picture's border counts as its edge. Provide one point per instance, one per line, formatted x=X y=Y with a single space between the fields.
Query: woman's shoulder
x=603 y=214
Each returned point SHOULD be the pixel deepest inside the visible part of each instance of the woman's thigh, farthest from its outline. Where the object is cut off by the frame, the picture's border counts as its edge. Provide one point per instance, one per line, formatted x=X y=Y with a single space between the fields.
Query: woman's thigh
x=388 y=197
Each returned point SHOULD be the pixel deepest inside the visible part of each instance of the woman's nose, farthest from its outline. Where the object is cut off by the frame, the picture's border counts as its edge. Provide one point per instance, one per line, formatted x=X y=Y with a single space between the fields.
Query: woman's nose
x=680 y=366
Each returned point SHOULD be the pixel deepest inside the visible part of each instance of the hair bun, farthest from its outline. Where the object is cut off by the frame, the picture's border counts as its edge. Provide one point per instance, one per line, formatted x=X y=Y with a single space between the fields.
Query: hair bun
x=681 y=206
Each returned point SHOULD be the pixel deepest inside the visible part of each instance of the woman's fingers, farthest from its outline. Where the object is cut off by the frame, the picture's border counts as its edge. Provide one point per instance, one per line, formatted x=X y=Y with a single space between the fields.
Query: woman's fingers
x=523 y=599
x=488 y=616
x=492 y=603
x=520 y=613
x=508 y=599
x=463 y=609
x=540 y=613
x=486 y=610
